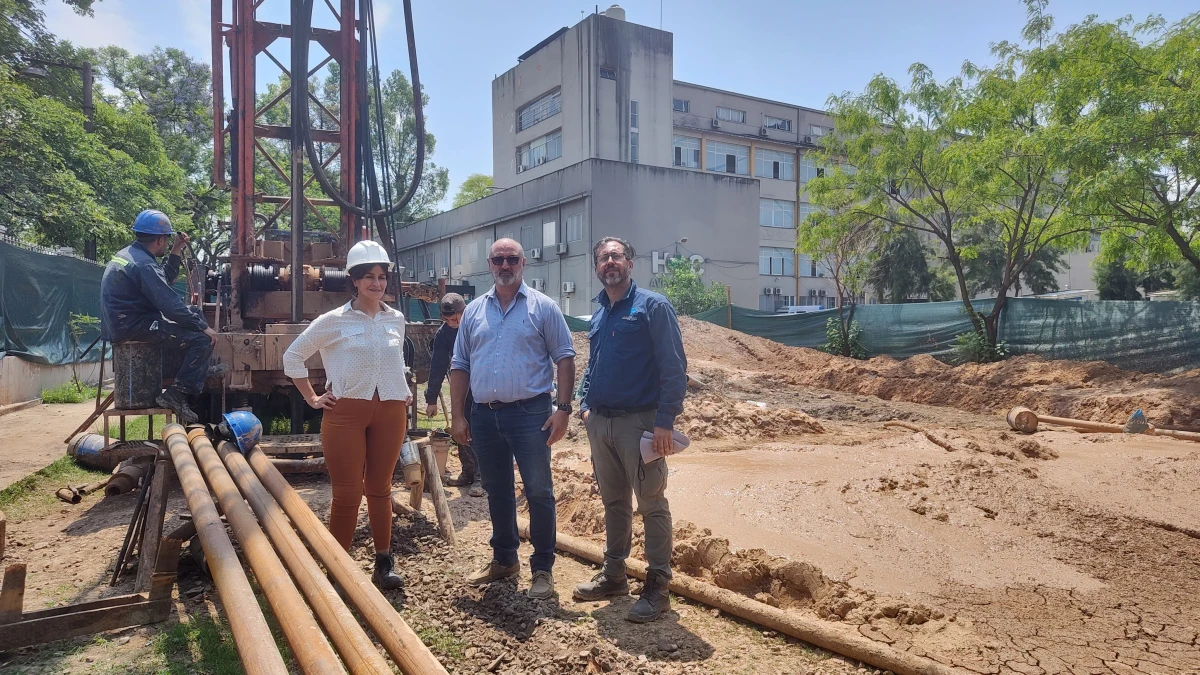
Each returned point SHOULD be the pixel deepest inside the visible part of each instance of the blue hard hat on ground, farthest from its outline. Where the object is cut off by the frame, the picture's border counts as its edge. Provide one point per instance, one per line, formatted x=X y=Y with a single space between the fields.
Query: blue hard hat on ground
x=151 y=221
x=244 y=428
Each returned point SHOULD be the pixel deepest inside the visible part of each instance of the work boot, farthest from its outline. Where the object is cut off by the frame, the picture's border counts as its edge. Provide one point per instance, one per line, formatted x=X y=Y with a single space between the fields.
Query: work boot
x=603 y=585
x=476 y=489
x=176 y=401
x=463 y=480
x=542 y=587
x=492 y=571
x=654 y=601
x=384 y=577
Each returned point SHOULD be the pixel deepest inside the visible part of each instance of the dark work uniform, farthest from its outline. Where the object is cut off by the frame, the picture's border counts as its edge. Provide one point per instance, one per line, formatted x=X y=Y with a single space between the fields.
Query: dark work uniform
x=138 y=303
x=439 y=365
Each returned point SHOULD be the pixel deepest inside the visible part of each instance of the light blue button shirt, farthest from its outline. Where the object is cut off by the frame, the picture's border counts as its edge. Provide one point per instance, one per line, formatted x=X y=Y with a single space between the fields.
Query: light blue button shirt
x=510 y=355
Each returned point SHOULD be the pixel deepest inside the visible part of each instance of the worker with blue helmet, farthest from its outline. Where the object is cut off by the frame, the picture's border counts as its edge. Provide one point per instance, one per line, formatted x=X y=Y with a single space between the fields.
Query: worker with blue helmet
x=139 y=304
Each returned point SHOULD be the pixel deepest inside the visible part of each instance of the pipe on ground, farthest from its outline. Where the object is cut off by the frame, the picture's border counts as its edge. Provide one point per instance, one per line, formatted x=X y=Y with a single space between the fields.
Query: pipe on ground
x=401 y=643
x=357 y=651
x=834 y=637
x=1025 y=420
x=314 y=465
x=313 y=652
x=251 y=635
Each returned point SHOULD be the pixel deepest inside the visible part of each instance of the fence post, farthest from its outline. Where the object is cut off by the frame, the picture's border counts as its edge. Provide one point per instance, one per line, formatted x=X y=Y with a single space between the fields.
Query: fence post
x=728 y=308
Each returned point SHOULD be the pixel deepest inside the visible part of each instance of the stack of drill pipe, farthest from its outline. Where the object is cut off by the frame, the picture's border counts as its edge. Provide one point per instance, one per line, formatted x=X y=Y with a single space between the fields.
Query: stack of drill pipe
x=251 y=635
x=352 y=642
x=308 y=643
x=401 y=643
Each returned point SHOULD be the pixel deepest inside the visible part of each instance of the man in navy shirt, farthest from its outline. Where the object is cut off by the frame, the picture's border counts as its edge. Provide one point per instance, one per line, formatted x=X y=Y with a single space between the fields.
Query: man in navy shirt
x=451 y=310
x=634 y=383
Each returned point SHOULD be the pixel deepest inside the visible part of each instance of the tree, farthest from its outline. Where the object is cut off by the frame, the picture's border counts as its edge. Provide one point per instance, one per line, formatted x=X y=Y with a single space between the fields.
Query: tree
x=1116 y=281
x=901 y=269
x=942 y=286
x=845 y=247
x=474 y=188
x=984 y=271
x=1187 y=282
x=684 y=287
x=400 y=131
x=23 y=29
x=1127 y=104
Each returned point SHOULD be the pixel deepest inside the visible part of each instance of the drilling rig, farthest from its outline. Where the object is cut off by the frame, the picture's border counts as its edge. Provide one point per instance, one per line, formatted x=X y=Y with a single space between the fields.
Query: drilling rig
x=274 y=280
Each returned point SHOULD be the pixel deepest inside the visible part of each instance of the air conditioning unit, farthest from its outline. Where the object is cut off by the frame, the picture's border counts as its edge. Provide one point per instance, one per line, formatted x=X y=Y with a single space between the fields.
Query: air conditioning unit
x=520 y=168
x=568 y=287
x=778 y=292
x=446 y=272
x=716 y=123
x=561 y=248
x=535 y=254
x=431 y=274
x=766 y=291
x=538 y=284
x=812 y=292
x=821 y=293
x=412 y=274
x=541 y=161
x=808 y=140
x=762 y=131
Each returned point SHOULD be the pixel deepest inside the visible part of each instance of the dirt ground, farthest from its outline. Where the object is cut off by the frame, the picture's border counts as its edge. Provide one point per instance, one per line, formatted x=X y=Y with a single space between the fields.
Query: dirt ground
x=964 y=542
x=40 y=431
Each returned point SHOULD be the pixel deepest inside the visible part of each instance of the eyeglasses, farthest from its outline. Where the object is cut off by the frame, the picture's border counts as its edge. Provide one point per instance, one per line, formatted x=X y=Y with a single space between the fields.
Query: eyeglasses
x=615 y=257
x=513 y=260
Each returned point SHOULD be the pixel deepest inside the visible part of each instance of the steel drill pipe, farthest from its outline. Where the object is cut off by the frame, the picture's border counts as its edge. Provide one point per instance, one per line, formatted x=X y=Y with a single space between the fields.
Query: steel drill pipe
x=401 y=643
x=835 y=637
x=357 y=650
x=256 y=648
x=313 y=652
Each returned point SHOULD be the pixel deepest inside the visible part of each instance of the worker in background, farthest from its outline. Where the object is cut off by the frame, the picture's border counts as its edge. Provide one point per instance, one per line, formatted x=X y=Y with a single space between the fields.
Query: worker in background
x=138 y=304
x=365 y=402
x=509 y=343
x=634 y=383
x=451 y=309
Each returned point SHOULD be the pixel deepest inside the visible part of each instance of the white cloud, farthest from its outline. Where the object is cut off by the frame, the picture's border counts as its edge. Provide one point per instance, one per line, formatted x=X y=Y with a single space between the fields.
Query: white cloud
x=109 y=26
x=383 y=14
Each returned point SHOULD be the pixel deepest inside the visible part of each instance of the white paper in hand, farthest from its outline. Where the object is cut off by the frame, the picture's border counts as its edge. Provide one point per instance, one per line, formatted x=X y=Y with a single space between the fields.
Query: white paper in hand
x=679 y=442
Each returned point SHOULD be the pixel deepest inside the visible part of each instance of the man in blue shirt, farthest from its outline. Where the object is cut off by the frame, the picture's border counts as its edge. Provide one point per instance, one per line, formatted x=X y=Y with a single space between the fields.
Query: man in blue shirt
x=510 y=342
x=138 y=303
x=635 y=382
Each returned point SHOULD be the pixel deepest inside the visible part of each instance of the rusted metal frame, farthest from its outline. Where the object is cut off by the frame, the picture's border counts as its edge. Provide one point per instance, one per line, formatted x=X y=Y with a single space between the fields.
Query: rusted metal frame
x=327 y=59
x=218 y=90
x=271 y=56
x=280 y=199
x=272 y=161
x=251 y=634
x=325 y=110
x=330 y=228
x=349 y=101
x=273 y=102
x=283 y=133
x=258 y=3
x=337 y=17
x=288 y=201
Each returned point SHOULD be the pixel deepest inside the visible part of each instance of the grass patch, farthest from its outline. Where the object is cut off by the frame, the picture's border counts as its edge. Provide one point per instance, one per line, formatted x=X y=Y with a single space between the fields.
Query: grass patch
x=136 y=428
x=67 y=393
x=35 y=492
x=200 y=645
x=443 y=642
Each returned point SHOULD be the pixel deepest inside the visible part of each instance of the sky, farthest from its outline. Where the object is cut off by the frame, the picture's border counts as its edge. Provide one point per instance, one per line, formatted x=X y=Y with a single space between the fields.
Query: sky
x=787 y=50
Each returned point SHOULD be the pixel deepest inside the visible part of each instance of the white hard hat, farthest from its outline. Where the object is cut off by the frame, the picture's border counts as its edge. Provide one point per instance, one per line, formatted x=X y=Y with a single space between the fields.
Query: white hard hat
x=367 y=252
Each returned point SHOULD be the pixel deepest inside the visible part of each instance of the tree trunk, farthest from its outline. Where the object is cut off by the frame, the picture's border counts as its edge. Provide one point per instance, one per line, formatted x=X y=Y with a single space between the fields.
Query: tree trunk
x=956 y=263
x=992 y=320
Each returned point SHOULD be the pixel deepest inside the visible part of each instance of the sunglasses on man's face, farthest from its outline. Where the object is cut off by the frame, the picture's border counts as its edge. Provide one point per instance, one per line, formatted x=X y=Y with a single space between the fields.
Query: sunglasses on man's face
x=513 y=260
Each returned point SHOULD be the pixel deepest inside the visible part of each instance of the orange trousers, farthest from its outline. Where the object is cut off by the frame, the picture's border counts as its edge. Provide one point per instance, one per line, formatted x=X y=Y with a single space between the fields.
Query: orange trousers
x=361 y=441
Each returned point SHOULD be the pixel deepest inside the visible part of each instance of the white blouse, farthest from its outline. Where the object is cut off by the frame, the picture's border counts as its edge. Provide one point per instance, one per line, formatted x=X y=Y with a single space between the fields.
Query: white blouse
x=361 y=354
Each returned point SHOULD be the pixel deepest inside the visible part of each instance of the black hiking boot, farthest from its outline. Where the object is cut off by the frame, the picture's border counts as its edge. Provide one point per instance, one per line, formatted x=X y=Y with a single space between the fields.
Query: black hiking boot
x=176 y=401
x=602 y=586
x=654 y=601
x=384 y=577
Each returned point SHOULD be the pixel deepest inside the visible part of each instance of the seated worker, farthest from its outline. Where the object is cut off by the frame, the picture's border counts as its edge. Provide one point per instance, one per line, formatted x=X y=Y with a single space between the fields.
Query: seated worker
x=451 y=308
x=138 y=303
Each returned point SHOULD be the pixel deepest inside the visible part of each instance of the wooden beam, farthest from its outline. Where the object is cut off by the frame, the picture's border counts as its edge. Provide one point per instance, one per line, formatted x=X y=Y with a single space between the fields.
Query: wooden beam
x=84 y=622
x=12 y=593
x=92 y=417
x=3 y=535
x=160 y=492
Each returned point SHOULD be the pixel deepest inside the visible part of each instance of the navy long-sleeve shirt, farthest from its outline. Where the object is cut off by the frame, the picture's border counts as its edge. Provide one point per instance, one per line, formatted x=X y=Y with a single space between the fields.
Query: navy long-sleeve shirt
x=439 y=363
x=135 y=291
x=636 y=356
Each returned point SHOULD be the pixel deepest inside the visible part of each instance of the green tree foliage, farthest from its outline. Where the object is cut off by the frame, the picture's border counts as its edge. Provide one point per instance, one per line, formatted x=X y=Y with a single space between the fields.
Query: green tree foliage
x=400 y=129
x=901 y=269
x=1187 y=282
x=1116 y=281
x=60 y=185
x=23 y=30
x=943 y=285
x=985 y=269
x=684 y=287
x=474 y=188
x=846 y=249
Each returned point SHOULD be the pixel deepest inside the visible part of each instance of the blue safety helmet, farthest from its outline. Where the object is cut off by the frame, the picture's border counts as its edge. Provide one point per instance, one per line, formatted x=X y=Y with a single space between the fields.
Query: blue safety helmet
x=243 y=428
x=151 y=221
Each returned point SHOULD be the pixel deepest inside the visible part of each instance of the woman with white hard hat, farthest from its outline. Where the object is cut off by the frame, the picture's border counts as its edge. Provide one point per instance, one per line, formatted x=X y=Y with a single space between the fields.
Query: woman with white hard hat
x=365 y=402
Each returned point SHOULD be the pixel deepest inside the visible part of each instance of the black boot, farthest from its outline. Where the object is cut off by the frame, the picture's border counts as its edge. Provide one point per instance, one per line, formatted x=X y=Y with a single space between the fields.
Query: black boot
x=384 y=577
x=603 y=585
x=654 y=601
x=176 y=401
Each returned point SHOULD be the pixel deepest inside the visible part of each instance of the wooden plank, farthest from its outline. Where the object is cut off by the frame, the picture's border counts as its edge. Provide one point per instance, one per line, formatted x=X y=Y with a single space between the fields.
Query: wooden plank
x=115 y=601
x=160 y=492
x=3 y=535
x=438 y=496
x=91 y=418
x=86 y=622
x=12 y=593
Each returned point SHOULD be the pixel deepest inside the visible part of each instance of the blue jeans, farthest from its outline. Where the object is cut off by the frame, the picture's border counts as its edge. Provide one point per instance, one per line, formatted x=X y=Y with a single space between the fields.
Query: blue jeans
x=498 y=437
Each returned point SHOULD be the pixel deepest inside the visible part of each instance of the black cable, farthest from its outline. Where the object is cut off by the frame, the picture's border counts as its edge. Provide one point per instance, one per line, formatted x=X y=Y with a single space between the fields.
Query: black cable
x=301 y=34
x=386 y=160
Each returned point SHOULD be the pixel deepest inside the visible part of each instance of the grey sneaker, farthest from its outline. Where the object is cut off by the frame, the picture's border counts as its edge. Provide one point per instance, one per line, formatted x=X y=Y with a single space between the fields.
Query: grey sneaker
x=476 y=490
x=176 y=402
x=602 y=586
x=492 y=571
x=542 y=587
x=654 y=601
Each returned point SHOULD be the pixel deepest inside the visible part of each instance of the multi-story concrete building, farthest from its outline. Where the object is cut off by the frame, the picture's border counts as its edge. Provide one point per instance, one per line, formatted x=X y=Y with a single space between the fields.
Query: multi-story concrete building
x=592 y=136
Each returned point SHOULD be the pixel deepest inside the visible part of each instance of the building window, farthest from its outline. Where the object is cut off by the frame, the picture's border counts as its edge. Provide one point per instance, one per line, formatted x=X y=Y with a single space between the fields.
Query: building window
x=487 y=246
x=539 y=151
x=633 y=147
x=549 y=234
x=809 y=170
x=529 y=237
x=458 y=254
x=804 y=209
x=608 y=73
x=727 y=158
x=775 y=261
x=777 y=123
x=575 y=227
x=773 y=164
x=776 y=213
x=816 y=131
x=731 y=115
x=544 y=108
x=633 y=115
x=687 y=152
x=808 y=268
x=473 y=249
x=681 y=105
